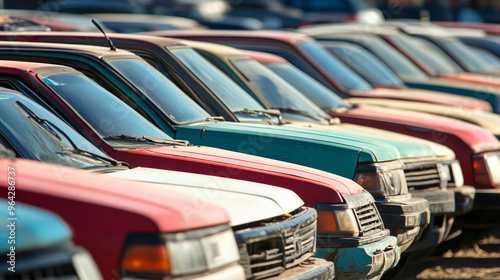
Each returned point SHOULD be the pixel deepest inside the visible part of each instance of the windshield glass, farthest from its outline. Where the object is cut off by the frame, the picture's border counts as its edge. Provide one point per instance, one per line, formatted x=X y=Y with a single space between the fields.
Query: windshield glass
x=226 y=89
x=429 y=55
x=38 y=134
x=347 y=78
x=276 y=91
x=314 y=90
x=169 y=98
x=474 y=62
x=367 y=65
x=487 y=56
x=104 y=112
x=401 y=65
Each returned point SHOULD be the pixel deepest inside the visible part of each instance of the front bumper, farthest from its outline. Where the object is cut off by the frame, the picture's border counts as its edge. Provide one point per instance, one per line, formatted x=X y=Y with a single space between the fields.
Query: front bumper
x=367 y=261
x=229 y=273
x=464 y=199
x=405 y=218
x=313 y=268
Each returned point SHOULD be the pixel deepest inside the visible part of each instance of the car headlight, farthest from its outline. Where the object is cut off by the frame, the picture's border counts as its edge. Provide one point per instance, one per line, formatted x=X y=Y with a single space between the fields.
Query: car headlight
x=382 y=179
x=185 y=253
x=451 y=173
x=487 y=169
x=337 y=220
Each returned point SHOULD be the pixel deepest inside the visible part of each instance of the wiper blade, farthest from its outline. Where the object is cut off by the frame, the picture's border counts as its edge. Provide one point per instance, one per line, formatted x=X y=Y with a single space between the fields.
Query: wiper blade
x=303 y=113
x=216 y=118
x=50 y=127
x=266 y=112
x=146 y=139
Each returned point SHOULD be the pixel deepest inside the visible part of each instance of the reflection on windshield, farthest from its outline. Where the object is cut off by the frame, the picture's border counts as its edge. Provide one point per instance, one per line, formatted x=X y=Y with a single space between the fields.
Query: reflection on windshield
x=235 y=98
x=42 y=141
x=169 y=98
x=276 y=91
x=367 y=65
x=474 y=62
x=347 y=78
x=314 y=90
x=104 y=112
x=428 y=54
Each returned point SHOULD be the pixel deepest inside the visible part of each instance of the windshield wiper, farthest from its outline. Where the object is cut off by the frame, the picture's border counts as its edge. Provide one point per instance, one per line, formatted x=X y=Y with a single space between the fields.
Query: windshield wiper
x=307 y=114
x=48 y=125
x=146 y=139
x=215 y=119
x=267 y=113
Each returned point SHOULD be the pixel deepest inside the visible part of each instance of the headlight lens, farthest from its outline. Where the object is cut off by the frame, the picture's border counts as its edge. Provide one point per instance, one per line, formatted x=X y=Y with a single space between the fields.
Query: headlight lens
x=487 y=169
x=382 y=179
x=337 y=220
x=451 y=173
x=179 y=254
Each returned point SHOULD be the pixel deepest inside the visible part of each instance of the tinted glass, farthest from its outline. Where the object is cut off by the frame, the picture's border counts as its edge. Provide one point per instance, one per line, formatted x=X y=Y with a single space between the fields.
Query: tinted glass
x=367 y=65
x=104 y=112
x=42 y=139
x=226 y=89
x=429 y=55
x=489 y=57
x=276 y=91
x=336 y=69
x=169 y=98
x=314 y=90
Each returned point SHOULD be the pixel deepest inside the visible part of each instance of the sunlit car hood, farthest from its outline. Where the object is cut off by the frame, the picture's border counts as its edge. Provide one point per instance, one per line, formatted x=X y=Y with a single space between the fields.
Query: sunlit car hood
x=486 y=120
x=424 y=96
x=244 y=201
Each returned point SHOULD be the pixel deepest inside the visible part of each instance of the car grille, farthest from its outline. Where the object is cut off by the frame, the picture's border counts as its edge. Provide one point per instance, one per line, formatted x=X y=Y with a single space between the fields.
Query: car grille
x=270 y=247
x=369 y=218
x=57 y=272
x=422 y=176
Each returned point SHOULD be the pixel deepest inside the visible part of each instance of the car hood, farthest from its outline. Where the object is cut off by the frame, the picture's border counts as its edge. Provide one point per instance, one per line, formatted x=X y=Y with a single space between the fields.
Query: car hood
x=35 y=228
x=224 y=163
x=160 y=211
x=244 y=201
x=484 y=119
x=477 y=138
x=421 y=95
x=408 y=147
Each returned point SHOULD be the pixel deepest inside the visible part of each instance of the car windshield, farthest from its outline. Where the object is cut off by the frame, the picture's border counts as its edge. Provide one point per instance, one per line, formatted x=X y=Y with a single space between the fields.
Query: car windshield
x=367 y=65
x=166 y=95
x=226 y=89
x=346 y=77
x=474 y=62
x=277 y=92
x=427 y=54
x=401 y=65
x=104 y=112
x=488 y=56
x=35 y=130
x=312 y=89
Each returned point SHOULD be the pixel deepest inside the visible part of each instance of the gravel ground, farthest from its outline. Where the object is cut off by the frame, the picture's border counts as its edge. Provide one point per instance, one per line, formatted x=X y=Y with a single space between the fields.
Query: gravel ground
x=479 y=262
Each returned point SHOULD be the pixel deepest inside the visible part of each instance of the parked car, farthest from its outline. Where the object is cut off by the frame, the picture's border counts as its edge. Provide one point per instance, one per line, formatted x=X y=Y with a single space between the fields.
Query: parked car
x=419 y=52
x=310 y=57
x=236 y=136
x=254 y=226
x=37 y=242
x=445 y=131
x=371 y=68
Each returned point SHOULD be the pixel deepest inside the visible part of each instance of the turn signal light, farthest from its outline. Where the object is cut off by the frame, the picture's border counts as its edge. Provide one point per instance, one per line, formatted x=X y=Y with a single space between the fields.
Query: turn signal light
x=147 y=258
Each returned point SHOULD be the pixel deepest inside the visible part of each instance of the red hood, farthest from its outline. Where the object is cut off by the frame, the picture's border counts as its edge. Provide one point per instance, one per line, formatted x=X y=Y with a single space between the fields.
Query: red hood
x=477 y=138
x=159 y=211
x=222 y=163
x=425 y=96
x=489 y=80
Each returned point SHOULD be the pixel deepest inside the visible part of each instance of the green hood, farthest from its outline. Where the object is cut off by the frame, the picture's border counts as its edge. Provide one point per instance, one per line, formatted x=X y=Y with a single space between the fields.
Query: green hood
x=337 y=152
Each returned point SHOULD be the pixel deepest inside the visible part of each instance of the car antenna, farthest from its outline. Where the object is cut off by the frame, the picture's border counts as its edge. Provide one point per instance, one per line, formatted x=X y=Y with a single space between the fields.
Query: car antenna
x=111 y=45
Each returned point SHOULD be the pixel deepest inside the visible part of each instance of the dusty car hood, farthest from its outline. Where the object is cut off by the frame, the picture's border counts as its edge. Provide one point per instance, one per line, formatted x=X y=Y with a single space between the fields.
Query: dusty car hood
x=244 y=201
x=421 y=95
x=477 y=138
x=487 y=120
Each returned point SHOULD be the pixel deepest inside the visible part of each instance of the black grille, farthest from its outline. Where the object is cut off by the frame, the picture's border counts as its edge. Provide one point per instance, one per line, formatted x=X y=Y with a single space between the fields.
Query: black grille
x=423 y=176
x=369 y=218
x=275 y=246
x=58 y=272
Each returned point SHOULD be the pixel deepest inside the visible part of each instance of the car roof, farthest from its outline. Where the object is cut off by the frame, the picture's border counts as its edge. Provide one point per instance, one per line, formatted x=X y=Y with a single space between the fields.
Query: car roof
x=263 y=57
x=7 y=65
x=216 y=49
